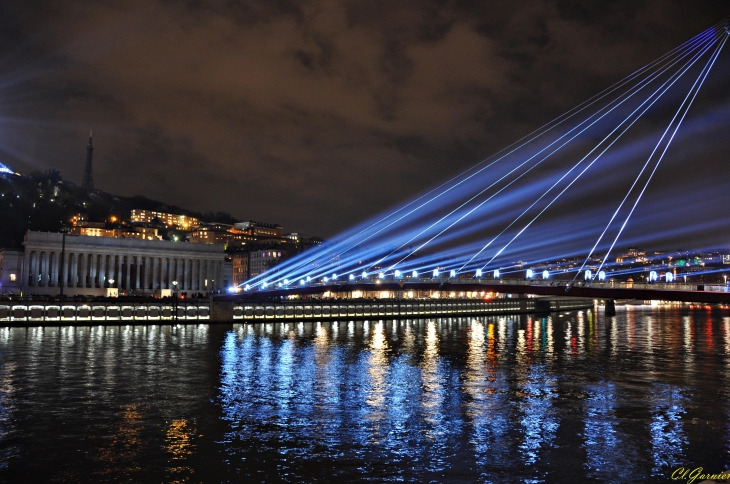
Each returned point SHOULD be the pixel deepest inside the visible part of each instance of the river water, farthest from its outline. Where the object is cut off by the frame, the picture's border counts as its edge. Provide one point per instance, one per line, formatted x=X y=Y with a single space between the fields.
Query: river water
x=569 y=397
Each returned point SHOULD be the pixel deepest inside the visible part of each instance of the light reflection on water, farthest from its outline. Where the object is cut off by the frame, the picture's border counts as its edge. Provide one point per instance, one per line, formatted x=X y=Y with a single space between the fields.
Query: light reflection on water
x=492 y=399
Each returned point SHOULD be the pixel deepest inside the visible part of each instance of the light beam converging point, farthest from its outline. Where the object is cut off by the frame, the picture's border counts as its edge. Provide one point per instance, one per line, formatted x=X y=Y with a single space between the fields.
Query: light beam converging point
x=473 y=221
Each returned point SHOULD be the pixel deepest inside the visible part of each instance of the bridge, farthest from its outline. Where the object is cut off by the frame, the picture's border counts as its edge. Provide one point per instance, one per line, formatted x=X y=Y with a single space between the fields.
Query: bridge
x=569 y=190
x=698 y=293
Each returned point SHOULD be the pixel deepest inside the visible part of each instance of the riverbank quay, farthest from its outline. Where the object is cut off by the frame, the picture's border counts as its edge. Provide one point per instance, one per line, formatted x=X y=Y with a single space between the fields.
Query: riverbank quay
x=168 y=311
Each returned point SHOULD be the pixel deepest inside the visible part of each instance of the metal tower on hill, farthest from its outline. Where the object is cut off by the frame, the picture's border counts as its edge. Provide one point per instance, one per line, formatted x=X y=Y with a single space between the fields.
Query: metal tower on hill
x=88 y=181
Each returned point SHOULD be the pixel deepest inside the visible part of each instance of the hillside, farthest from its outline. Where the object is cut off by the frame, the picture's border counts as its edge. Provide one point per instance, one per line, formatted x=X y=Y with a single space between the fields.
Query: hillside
x=45 y=202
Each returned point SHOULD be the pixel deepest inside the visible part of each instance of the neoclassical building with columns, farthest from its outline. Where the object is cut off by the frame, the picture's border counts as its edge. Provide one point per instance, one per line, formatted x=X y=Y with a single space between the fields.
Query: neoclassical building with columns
x=93 y=264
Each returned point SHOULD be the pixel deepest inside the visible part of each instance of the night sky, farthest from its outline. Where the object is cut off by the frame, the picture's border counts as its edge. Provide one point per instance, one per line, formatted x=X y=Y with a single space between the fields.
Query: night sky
x=311 y=114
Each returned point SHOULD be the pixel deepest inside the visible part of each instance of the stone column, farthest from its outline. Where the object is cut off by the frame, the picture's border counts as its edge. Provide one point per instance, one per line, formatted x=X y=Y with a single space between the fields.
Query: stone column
x=53 y=260
x=93 y=271
x=128 y=275
x=33 y=273
x=164 y=281
x=102 y=270
x=82 y=270
x=72 y=270
x=195 y=274
x=137 y=267
x=188 y=275
x=155 y=267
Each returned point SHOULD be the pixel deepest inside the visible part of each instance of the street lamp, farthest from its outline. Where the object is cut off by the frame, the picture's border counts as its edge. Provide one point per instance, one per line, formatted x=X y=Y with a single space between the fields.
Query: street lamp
x=174 y=300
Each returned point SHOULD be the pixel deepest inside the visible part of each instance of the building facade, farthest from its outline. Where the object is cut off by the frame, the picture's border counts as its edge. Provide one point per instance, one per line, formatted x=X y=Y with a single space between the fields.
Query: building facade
x=261 y=261
x=260 y=229
x=11 y=270
x=169 y=219
x=240 y=267
x=90 y=265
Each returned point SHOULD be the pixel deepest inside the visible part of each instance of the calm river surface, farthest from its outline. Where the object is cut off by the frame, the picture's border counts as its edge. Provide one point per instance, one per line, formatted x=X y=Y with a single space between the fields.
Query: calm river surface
x=571 y=397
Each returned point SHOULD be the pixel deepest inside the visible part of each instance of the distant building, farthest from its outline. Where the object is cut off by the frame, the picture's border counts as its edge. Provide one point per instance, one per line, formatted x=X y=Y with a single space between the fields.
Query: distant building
x=260 y=229
x=261 y=261
x=305 y=241
x=11 y=270
x=240 y=267
x=170 y=219
x=217 y=233
x=92 y=229
x=93 y=264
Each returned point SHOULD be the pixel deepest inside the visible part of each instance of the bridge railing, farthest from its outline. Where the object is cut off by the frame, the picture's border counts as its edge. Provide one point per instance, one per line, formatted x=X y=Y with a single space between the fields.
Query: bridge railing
x=535 y=282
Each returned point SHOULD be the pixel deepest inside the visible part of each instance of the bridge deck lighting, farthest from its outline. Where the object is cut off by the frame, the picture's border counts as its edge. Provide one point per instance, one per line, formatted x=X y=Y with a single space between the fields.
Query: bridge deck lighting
x=435 y=273
x=453 y=273
x=653 y=276
x=352 y=277
x=545 y=275
x=247 y=287
x=670 y=277
x=325 y=279
x=529 y=274
x=286 y=281
x=381 y=276
x=496 y=274
x=309 y=278
x=479 y=273
x=414 y=274
x=397 y=273
x=301 y=282
x=602 y=276
x=364 y=275
x=263 y=285
x=587 y=275
x=334 y=277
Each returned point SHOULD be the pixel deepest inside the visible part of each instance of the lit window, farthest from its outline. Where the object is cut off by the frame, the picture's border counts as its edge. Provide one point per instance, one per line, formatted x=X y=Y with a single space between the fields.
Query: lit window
x=12 y=277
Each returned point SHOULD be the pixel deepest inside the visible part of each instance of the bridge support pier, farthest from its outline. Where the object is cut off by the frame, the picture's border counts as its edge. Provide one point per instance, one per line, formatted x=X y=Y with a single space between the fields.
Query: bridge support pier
x=610 y=307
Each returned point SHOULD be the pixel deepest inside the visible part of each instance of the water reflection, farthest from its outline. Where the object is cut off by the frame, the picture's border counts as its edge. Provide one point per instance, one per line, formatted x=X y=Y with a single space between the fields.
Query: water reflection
x=570 y=396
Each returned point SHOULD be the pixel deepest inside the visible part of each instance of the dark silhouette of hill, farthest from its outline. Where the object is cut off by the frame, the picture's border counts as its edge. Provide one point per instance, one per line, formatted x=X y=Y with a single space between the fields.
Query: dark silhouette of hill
x=45 y=202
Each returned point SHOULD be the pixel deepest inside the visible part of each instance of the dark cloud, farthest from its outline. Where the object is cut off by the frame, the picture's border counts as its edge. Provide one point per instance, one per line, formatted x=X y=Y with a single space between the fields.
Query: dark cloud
x=313 y=114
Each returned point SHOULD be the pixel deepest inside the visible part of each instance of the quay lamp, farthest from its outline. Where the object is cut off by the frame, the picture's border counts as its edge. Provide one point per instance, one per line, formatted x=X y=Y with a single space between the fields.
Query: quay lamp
x=174 y=303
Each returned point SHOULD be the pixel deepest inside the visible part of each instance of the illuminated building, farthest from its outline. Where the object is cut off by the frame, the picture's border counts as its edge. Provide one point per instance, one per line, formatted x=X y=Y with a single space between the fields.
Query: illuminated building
x=169 y=219
x=260 y=229
x=90 y=264
x=262 y=260
x=217 y=233
x=11 y=267
x=240 y=267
